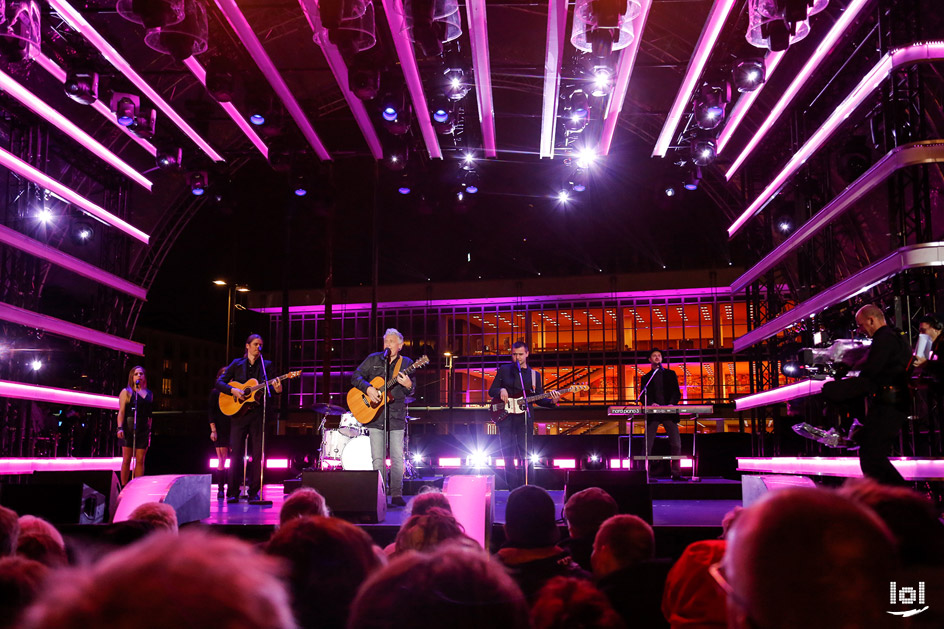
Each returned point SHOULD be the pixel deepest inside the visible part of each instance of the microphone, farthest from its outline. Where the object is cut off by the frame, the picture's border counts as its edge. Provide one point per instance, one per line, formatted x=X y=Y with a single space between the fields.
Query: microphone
x=386 y=352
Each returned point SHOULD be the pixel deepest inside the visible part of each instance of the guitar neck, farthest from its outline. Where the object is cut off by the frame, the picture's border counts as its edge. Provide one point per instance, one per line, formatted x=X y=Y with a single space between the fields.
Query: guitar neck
x=268 y=382
x=392 y=381
x=546 y=394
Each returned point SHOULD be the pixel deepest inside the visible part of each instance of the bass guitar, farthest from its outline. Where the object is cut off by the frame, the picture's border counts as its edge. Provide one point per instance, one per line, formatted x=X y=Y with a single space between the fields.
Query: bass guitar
x=360 y=405
x=229 y=405
x=515 y=406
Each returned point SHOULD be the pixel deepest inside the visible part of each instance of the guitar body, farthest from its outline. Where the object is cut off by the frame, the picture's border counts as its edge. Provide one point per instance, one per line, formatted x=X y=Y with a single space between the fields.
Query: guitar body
x=515 y=406
x=360 y=405
x=230 y=406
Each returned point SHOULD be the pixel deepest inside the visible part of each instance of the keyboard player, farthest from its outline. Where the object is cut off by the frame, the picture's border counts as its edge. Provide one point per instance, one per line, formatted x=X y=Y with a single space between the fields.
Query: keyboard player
x=660 y=387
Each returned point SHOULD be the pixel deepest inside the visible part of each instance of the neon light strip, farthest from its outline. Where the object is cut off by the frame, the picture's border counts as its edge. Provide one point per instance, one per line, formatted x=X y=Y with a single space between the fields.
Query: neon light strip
x=565 y=464
x=822 y=50
x=339 y=70
x=624 y=70
x=706 y=42
x=411 y=73
x=556 y=36
x=929 y=254
x=32 y=319
x=481 y=67
x=896 y=159
x=200 y=72
x=80 y=25
x=848 y=466
x=53 y=117
x=869 y=83
x=64 y=464
x=247 y=36
x=40 y=250
x=41 y=179
x=744 y=102
x=804 y=388
x=59 y=74
x=22 y=391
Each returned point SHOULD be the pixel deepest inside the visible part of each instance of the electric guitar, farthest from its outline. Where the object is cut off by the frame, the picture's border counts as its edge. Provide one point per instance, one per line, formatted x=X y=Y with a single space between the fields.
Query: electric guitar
x=229 y=405
x=360 y=405
x=515 y=406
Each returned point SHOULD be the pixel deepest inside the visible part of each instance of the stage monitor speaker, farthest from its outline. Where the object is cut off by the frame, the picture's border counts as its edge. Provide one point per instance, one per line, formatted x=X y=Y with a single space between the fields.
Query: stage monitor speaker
x=188 y=494
x=104 y=482
x=629 y=489
x=357 y=496
x=70 y=503
x=754 y=487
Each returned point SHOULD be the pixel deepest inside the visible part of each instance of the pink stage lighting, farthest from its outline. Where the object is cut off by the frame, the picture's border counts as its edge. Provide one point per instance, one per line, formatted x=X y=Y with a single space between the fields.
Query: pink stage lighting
x=910 y=469
x=28 y=465
x=453 y=461
x=481 y=67
x=556 y=37
x=31 y=319
x=22 y=391
x=565 y=464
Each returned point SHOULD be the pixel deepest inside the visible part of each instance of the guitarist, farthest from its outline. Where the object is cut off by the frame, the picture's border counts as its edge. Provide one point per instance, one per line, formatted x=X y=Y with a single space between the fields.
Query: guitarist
x=513 y=430
x=374 y=367
x=247 y=422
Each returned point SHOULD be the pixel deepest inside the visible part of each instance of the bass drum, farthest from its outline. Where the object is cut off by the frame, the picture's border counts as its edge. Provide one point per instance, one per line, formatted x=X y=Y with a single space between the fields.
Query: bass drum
x=332 y=446
x=356 y=454
x=349 y=426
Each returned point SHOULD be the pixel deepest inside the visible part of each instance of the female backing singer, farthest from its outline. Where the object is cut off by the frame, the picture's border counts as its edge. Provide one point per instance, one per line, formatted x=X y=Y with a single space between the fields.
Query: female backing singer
x=135 y=408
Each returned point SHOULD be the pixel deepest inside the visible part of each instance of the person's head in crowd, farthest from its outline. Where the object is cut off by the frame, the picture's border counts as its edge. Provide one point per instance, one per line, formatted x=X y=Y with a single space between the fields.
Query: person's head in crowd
x=187 y=580
x=911 y=518
x=806 y=557
x=426 y=532
x=729 y=519
x=20 y=583
x=328 y=560
x=622 y=541
x=691 y=598
x=304 y=501
x=41 y=541
x=530 y=521
x=9 y=531
x=161 y=515
x=569 y=603
x=587 y=509
x=453 y=587
x=426 y=500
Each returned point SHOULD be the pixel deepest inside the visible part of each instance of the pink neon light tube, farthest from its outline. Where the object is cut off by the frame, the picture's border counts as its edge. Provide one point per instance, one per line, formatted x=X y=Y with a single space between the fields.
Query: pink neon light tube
x=50 y=115
x=29 y=465
x=825 y=47
x=32 y=319
x=411 y=73
x=624 y=70
x=40 y=250
x=910 y=469
x=247 y=36
x=481 y=67
x=79 y=24
x=59 y=74
x=771 y=61
x=21 y=391
x=869 y=83
x=706 y=42
x=556 y=36
x=198 y=71
x=41 y=179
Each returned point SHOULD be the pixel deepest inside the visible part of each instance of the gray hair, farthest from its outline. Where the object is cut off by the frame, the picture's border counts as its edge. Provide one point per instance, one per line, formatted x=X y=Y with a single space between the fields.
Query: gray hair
x=393 y=332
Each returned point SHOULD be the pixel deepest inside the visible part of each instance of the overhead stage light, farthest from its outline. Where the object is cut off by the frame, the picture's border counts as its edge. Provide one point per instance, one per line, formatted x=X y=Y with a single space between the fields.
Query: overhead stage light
x=710 y=103
x=704 y=151
x=82 y=87
x=586 y=157
x=152 y=13
x=396 y=112
x=126 y=108
x=563 y=196
x=169 y=158
x=749 y=74
x=198 y=183
x=578 y=180
x=602 y=82
x=692 y=177
x=82 y=232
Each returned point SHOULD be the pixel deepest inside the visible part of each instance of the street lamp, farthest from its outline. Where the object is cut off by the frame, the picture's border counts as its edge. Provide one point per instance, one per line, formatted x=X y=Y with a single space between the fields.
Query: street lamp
x=230 y=289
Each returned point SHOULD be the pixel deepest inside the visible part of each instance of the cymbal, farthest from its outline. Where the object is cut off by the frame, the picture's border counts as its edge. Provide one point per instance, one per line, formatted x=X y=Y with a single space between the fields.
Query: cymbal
x=409 y=399
x=410 y=419
x=328 y=409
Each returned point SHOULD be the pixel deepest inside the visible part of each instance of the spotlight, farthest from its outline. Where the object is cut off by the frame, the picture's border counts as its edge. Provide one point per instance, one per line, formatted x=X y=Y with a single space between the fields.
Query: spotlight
x=126 y=108
x=441 y=111
x=669 y=191
x=749 y=74
x=478 y=459
x=404 y=189
x=82 y=87
x=300 y=189
x=417 y=459
x=468 y=161
x=220 y=81
x=198 y=183
x=534 y=458
x=710 y=103
x=82 y=232
x=169 y=158
x=793 y=369
x=594 y=461
x=470 y=182
x=563 y=196
x=784 y=225
x=405 y=184
x=396 y=113
x=257 y=119
x=455 y=84
x=258 y=108
x=36 y=365
x=602 y=82
x=577 y=113
x=145 y=124
x=692 y=177
x=704 y=151
x=586 y=156
x=44 y=216
x=301 y=179
x=578 y=180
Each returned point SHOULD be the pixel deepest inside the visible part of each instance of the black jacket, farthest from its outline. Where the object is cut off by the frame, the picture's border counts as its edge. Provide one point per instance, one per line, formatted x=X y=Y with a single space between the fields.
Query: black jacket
x=373 y=367
x=508 y=379
x=661 y=388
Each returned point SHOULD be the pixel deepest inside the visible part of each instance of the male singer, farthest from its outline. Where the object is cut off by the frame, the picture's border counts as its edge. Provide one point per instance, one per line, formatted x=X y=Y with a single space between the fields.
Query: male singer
x=513 y=429
x=659 y=387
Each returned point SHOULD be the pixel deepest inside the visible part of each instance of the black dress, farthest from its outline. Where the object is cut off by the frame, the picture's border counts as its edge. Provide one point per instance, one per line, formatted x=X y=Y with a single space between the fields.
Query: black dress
x=138 y=435
x=222 y=422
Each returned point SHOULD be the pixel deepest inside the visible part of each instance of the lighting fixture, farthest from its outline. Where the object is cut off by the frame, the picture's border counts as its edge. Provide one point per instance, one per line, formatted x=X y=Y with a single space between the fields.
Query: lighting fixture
x=198 y=183
x=481 y=68
x=404 y=183
x=441 y=110
x=125 y=107
x=82 y=232
x=145 y=123
x=169 y=158
x=704 y=151
x=784 y=224
x=82 y=87
x=152 y=13
x=563 y=196
x=669 y=191
x=556 y=37
x=21 y=35
x=578 y=180
x=470 y=182
x=692 y=177
x=396 y=113
x=468 y=161
x=431 y=24
x=586 y=157
x=710 y=103
x=602 y=26
x=748 y=74
x=601 y=82
x=30 y=319
x=44 y=216
x=184 y=39
x=36 y=365
x=577 y=114
x=22 y=391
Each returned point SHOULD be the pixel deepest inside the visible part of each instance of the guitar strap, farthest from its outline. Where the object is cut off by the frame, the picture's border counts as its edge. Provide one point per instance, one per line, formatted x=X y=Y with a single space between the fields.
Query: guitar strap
x=534 y=382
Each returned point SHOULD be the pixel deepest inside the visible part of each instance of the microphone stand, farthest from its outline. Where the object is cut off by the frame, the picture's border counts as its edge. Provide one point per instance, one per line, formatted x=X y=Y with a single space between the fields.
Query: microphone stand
x=134 y=427
x=528 y=423
x=644 y=394
x=266 y=393
x=386 y=429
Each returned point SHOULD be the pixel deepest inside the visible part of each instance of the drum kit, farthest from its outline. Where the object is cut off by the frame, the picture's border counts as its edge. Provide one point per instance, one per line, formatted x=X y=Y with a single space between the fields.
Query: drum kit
x=347 y=447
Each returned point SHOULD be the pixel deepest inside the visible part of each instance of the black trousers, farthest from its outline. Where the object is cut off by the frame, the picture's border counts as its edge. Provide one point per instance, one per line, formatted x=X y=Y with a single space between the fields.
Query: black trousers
x=876 y=438
x=670 y=422
x=512 y=432
x=248 y=424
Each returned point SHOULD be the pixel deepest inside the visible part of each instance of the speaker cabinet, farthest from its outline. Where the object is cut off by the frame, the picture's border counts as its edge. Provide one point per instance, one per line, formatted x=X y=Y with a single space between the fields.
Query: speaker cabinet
x=755 y=487
x=104 y=482
x=630 y=489
x=188 y=494
x=70 y=503
x=357 y=496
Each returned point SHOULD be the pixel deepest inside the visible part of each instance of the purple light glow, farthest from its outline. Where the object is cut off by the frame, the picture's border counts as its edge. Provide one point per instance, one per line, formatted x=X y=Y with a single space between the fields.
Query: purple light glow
x=36 y=393
x=822 y=50
x=471 y=499
x=744 y=102
x=411 y=73
x=706 y=42
x=64 y=464
x=237 y=21
x=32 y=319
x=910 y=469
x=785 y=393
x=481 y=67
x=556 y=36
x=866 y=87
x=80 y=25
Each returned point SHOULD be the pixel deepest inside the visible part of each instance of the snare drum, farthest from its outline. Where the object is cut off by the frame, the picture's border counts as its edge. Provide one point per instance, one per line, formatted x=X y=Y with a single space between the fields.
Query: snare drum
x=333 y=444
x=349 y=426
x=356 y=455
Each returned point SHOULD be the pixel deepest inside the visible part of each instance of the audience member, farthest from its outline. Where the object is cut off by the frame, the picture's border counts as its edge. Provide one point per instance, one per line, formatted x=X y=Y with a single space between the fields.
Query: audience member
x=41 y=541
x=161 y=515
x=729 y=519
x=187 y=580
x=691 y=597
x=302 y=502
x=585 y=511
x=328 y=560
x=426 y=500
x=627 y=572
x=530 y=553
x=805 y=557
x=453 y=587
x=425 y=532
x=9 y=531
x=568 y=603
x=20 y=582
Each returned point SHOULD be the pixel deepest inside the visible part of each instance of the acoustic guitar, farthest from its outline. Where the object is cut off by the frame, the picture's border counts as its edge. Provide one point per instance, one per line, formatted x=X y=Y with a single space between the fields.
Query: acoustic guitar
x=229 y=405
x=360 y=405
x=515 y=406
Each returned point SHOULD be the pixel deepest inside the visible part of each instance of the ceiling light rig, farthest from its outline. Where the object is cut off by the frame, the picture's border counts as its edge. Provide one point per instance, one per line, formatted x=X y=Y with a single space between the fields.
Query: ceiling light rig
x=778 y=24
x=749 y=74
x=711 y=102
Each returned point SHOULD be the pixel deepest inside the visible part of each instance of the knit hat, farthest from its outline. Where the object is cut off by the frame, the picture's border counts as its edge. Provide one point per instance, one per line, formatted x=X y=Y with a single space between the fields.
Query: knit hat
x=530 y=521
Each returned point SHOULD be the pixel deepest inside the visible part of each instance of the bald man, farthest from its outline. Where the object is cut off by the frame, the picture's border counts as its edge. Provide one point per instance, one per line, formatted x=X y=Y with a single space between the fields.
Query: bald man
x=808 y=558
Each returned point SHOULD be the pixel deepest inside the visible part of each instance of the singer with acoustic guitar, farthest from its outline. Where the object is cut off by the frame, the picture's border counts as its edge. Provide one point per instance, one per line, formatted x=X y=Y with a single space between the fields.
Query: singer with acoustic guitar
x=135 y=408
x=516 y=430
x=374 y=367
x=249 y=421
